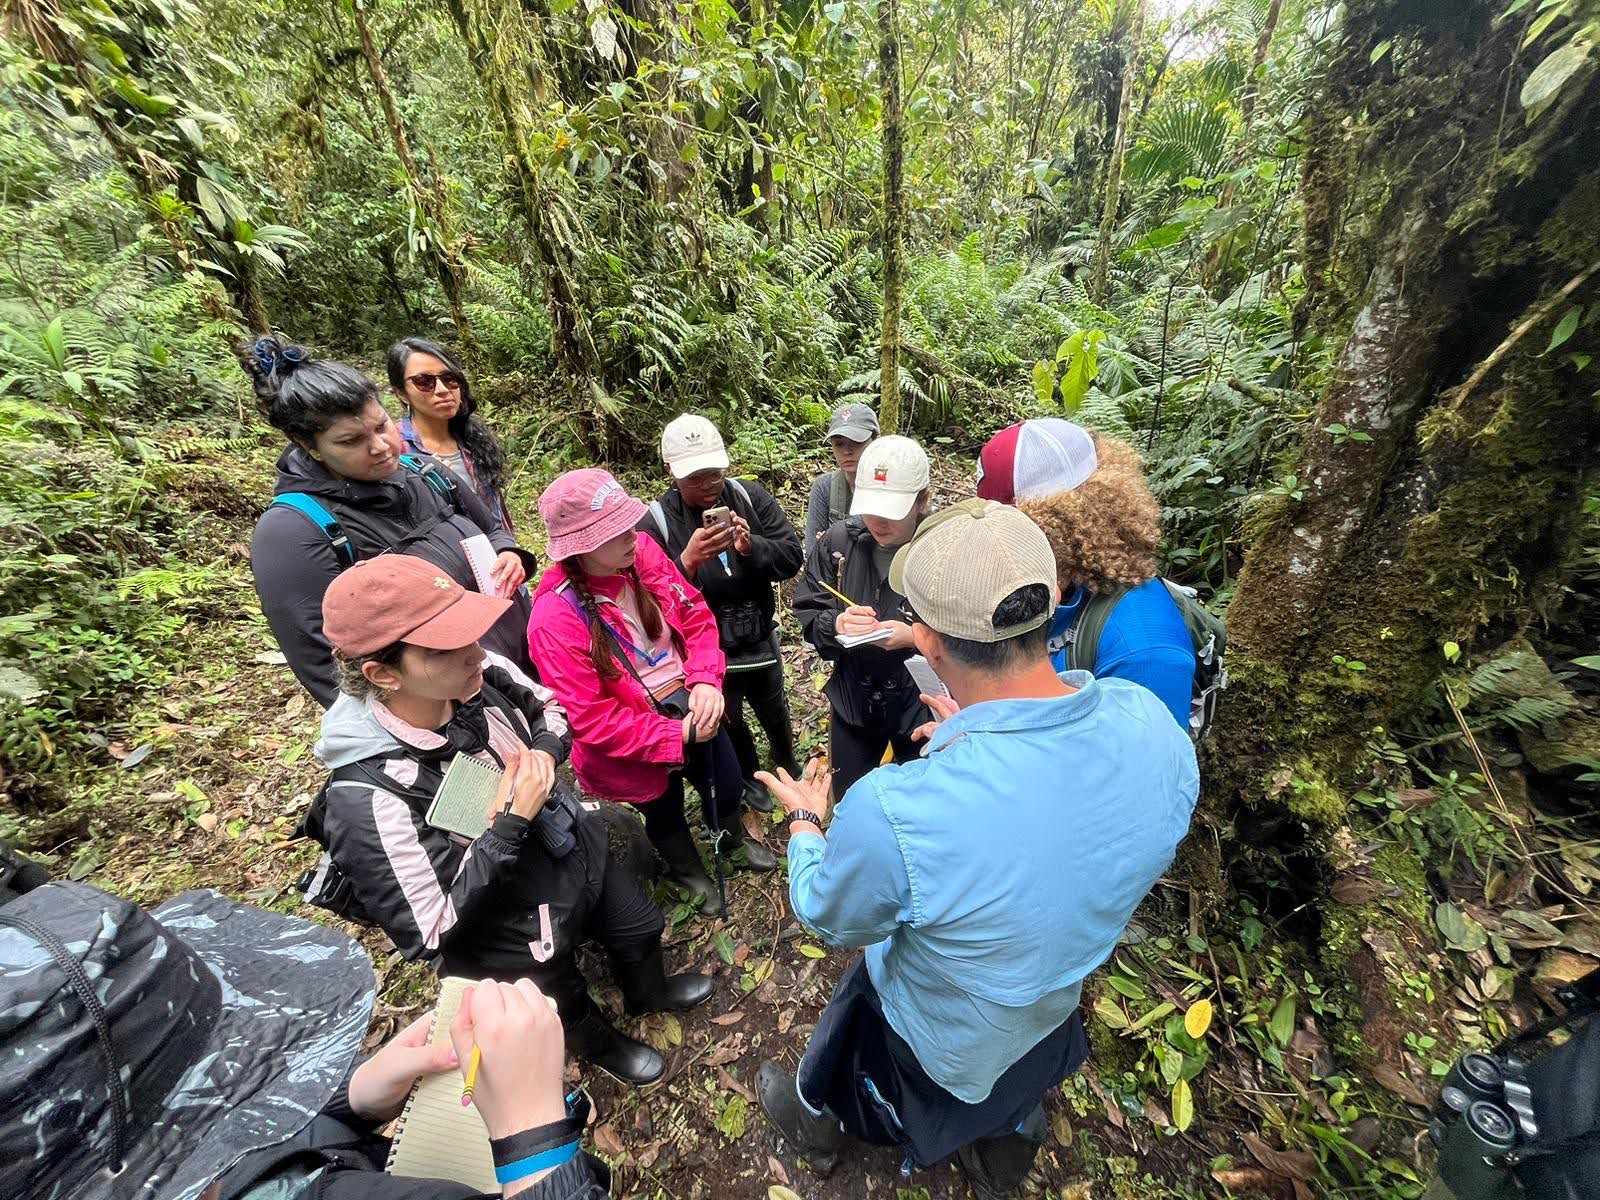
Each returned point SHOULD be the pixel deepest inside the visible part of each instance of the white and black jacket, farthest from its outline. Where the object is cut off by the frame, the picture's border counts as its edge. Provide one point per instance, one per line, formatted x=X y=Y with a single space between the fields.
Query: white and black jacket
x=503 y=905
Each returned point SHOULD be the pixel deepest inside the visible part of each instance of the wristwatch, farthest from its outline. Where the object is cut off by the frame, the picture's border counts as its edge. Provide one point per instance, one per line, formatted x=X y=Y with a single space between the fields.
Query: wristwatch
x=806 y=815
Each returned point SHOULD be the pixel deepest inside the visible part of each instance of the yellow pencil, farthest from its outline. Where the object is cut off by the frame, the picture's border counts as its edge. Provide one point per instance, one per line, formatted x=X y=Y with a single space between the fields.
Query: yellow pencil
x=841 y=595
x=472 y=1076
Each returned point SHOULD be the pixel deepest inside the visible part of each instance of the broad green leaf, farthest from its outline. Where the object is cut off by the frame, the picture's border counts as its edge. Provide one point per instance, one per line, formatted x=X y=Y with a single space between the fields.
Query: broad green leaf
x=724 y=945
x=1198 y=1019
x=1182 y=1105
x=1130 y=988
x=1081 y=372
x=1171 y=1067
x=1591 y=661
x=1460 y=931
x=1380 y=50
x=1566 y=327
x=730 y=1121
x=1159 y=1012
x=1109 y=1011
x=1166 y=235
x=18 y=685
x=1452 y=651
x=1044 y=382
x=1281 y=1024
x=810 y=951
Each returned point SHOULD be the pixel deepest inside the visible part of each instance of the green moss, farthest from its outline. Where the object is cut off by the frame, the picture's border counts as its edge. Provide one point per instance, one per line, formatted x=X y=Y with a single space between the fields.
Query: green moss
x=1311 y=797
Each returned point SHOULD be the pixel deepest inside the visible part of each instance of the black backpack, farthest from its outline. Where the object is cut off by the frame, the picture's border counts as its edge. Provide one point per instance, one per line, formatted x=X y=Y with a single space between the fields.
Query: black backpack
x=18 y=875
x=1207 y=631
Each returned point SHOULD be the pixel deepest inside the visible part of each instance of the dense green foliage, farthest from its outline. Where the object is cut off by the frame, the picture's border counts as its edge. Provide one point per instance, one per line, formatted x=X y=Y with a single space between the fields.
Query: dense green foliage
x=621 y=210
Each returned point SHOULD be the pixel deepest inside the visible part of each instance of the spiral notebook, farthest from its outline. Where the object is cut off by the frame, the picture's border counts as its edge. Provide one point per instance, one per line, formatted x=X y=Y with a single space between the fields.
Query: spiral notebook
x=438 y=1137
x=462 y=803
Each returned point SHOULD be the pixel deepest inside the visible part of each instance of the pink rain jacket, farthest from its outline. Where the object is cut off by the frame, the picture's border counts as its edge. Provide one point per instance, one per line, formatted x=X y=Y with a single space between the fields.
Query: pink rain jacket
x=622 y=749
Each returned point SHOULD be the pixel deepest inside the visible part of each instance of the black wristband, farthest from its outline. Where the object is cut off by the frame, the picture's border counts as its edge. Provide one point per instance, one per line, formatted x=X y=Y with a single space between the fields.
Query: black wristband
x=529 y=1142
x=806 y=815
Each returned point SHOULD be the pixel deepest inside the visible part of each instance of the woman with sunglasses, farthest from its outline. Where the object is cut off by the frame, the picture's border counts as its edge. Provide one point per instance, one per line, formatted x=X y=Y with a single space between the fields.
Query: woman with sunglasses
x=440 y=420
x=346 y=491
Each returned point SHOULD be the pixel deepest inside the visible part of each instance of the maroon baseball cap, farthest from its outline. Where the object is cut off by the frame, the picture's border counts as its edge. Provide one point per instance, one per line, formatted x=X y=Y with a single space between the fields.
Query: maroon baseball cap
x=1035 y=458
x=400 y=598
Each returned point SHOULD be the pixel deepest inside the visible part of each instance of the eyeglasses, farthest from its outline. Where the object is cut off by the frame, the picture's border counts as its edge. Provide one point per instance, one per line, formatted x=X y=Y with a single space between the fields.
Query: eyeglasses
x=427 y=381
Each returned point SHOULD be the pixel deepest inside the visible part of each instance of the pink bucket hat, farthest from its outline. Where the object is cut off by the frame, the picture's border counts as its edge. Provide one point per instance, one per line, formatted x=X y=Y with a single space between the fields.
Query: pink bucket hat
x=585 y=509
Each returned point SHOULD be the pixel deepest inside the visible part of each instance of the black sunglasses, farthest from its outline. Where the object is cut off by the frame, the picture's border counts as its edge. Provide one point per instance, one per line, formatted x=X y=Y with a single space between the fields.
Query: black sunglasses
x=427 y=381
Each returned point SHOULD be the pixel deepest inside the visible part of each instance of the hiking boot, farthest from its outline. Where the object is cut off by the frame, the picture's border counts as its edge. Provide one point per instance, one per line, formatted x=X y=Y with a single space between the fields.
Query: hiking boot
x=815 y=1139
x=756 y=856
x=997 y=1167
x=595 y=1040
x=756 y=797
x=684 y=866
x=646 y=987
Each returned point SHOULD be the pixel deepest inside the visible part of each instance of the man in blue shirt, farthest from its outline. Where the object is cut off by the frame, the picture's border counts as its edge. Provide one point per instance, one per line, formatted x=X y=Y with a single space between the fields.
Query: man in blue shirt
x=986 y=879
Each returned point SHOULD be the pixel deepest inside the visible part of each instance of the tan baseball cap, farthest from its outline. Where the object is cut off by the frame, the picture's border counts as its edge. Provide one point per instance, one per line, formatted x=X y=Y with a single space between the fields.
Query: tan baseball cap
x=691 y=443
x=889 y=477
x=964 y=561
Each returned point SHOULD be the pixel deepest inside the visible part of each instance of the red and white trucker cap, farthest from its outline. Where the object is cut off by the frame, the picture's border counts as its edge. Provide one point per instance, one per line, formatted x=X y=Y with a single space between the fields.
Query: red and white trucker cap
x=1035 y=458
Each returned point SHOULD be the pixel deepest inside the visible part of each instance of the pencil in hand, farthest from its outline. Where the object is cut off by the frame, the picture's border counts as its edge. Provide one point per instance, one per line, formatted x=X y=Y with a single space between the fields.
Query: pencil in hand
x=472 y=1077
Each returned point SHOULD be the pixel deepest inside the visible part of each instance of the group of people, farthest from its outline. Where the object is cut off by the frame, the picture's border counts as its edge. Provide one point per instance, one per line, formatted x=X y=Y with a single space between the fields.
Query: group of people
x=1031 y=808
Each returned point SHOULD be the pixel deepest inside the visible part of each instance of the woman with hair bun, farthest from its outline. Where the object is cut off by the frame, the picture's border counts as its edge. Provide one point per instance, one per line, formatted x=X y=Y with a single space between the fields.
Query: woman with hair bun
x=1086 y=491
x=347 y=491
x=440 y=420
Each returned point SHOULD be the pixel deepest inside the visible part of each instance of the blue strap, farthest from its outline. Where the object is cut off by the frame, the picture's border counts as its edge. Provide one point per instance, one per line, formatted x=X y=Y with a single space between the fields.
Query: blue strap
x=312 y=509
x=534 y=1163
x=432 y=476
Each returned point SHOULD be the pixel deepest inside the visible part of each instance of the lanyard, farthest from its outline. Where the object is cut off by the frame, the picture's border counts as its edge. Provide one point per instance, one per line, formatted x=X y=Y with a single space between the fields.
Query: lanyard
x=644 y=656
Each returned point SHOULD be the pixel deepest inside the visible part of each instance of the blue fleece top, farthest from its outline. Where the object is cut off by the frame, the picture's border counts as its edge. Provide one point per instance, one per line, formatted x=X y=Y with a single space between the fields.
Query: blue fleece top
x=990 y=877
x=1144 y=641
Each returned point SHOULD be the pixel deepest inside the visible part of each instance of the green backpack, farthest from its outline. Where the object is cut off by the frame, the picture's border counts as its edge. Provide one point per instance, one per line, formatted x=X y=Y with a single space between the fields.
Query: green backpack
x=1206 y=630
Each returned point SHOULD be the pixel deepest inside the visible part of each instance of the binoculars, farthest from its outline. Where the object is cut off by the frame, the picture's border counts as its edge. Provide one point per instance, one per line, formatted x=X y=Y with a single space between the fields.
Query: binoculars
x=1483 y=1116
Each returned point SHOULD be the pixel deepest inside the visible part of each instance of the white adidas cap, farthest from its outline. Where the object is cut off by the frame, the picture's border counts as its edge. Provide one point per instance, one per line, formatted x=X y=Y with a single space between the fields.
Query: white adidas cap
x=689 y=444
x=892 y=473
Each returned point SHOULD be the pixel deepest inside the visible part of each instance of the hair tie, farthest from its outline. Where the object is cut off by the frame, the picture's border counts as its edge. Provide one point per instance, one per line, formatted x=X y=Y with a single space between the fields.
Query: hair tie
x=271 y=357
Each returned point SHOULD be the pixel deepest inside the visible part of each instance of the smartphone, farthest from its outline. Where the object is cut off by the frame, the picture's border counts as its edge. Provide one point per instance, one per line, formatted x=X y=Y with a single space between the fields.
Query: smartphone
x=717 y=518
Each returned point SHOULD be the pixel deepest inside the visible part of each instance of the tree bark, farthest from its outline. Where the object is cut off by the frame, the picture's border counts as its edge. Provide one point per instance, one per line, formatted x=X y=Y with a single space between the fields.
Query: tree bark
x=1119 y=152
x=438 y=249
x=894 y=214
x=1450 y=521
x=573 y=342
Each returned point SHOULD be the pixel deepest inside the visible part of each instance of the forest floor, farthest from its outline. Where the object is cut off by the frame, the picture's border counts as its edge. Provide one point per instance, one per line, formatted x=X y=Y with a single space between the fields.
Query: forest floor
x=205 y=789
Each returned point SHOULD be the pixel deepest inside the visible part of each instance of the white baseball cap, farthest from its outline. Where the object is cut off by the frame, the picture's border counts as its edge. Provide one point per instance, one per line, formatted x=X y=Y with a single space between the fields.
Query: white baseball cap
x=690 y=443
x=892 y=473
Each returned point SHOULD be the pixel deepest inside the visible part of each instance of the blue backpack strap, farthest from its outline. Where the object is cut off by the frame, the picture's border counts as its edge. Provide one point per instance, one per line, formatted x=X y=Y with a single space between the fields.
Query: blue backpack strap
x=434 y=476
x=312 y=509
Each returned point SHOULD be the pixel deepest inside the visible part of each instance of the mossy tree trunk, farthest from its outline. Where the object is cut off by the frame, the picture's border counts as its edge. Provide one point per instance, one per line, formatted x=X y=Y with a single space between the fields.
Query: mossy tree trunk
x=439 y=245
x=496 y=40
x=894 y=214
x=1441 y=473
x=1112 y=198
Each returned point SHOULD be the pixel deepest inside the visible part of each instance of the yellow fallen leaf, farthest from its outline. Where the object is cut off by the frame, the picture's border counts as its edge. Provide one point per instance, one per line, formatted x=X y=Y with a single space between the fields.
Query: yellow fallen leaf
x=1198 y=1019
x=778 y=1192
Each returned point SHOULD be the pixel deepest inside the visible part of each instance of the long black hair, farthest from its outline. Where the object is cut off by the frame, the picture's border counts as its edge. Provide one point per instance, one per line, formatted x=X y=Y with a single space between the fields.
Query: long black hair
x=302 y=395
x=488 y=458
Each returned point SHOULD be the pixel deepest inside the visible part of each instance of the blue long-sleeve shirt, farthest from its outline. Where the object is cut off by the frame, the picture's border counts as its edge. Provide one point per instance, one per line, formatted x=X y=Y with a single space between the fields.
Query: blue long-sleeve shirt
x=988 y=878
x=1144 y=641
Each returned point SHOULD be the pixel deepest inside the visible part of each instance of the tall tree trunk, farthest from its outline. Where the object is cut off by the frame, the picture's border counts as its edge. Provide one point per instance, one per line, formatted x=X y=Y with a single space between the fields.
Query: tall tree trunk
x=1451 y=519
x=439 y=249
x=894 y=214
x=1222 y=250
x=480 y=33
x=1119 y=152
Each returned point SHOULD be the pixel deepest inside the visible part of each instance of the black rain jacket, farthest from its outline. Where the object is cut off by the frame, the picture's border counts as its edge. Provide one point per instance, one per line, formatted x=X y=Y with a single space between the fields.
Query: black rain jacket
x=870 y=687
x=294 y=562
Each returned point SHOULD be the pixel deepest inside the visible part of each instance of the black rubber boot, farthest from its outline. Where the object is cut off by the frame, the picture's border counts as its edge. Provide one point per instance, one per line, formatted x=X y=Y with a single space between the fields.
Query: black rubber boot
x=997 y=1167
x=756 y=856
x=684 y=865
x=646 y=986
x=595 y=1040
x=756 y=797
x=815 y=1139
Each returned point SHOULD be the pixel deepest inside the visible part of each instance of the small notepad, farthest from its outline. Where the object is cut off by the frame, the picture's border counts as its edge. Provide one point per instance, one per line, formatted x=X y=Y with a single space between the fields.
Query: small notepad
x=848 y=640
x=925 y=677
x=465 y=797
x=438 y=1137
x=481 y=556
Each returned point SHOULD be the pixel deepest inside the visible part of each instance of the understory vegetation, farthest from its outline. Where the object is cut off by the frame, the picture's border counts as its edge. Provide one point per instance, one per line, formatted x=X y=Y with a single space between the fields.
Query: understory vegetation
x=1332 y=268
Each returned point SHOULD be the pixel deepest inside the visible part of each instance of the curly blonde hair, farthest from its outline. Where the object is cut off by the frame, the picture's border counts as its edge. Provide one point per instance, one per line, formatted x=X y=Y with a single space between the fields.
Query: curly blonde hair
x=1105 y=531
